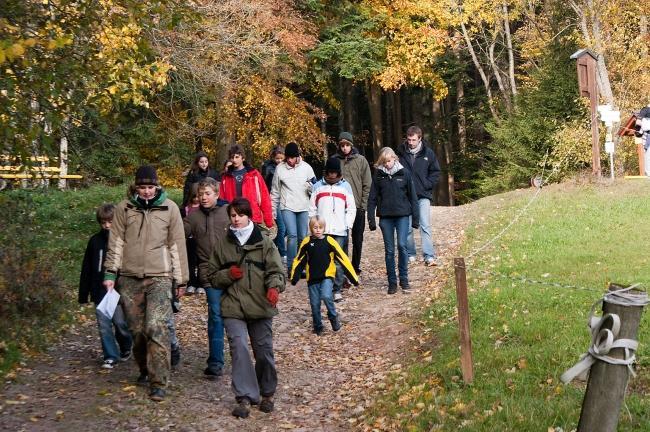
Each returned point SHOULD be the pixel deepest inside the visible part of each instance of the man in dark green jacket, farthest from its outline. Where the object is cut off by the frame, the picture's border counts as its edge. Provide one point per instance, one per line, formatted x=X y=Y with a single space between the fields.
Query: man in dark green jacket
x=356 y=171
x=247 y=266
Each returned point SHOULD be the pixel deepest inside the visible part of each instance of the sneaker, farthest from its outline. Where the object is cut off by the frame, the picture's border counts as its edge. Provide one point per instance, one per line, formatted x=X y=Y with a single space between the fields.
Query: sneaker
x=338 y=297
x=176 y=355
x=190 y=290
x=406 y=289
x=157 y=394
x=267 y=405
x=200 y=291
x=213 y=372
x=126 y=355
x=143 y=378
x=336 y=323
x=411 y=260
x=243 y=408
x=109 y=364
x=392 y=289
x=432 y=262
x=318 y=331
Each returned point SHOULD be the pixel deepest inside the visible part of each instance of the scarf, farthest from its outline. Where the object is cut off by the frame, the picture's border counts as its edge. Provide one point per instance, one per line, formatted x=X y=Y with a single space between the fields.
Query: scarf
x=396 y=167
x=243 y=234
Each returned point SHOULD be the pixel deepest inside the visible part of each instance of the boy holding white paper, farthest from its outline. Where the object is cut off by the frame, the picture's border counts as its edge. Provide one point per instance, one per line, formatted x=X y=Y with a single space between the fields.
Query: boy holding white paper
x=113 y=331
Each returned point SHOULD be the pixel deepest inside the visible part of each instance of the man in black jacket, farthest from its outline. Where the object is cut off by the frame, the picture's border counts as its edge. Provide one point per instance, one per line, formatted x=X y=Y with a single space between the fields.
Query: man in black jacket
x=422 y=163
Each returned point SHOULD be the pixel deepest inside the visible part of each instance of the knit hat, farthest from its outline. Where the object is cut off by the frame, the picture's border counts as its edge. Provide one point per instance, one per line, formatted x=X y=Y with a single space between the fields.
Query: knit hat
x=291 y=150
x=346 y=136
x=146 y=175
x=333 y=164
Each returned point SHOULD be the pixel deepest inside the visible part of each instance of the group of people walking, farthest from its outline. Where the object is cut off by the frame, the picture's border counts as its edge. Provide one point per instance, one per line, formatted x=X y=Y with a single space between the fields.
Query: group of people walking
x=245 y=232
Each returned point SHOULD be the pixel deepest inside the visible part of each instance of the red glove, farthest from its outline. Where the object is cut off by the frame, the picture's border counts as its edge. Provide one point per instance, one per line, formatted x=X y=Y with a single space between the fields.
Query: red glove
x=235 y=272
x=273 y=295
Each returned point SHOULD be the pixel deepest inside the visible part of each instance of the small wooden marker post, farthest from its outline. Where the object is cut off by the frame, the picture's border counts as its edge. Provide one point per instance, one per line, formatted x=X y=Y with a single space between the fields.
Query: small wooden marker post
x=607 y=382
x=463 y=321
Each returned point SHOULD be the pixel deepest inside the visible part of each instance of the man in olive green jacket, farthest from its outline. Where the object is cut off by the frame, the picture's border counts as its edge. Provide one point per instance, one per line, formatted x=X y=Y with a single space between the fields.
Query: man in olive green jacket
x=247 y=266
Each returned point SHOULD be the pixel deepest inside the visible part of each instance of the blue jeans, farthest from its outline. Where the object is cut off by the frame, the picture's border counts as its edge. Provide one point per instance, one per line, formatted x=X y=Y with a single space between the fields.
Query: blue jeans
x=119 y=342
x=428 y=249
x=280 y=240
x=297 y=225
x=173 y=338
x=340 y=275
x=215 y=327
x=388 y=226
x=321 y=291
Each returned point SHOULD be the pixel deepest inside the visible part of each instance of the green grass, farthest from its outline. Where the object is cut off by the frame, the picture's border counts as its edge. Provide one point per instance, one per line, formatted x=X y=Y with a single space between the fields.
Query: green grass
x=526 y=335
x=49 y=227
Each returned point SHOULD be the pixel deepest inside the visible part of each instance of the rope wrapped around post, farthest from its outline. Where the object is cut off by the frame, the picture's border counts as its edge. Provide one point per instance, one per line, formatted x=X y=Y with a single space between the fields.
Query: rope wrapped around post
x=613 y=342
x=603 y=339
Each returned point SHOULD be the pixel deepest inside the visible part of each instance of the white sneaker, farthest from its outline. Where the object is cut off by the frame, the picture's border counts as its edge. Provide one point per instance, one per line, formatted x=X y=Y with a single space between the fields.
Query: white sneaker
x=432 y=262
x=338 y=297
x=200 y=291
x=190 y=290
x=411 y=260
x=108 y=364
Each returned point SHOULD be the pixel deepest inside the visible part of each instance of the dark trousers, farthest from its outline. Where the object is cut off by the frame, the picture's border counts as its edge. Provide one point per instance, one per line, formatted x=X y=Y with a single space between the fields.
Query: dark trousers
x=357 y=239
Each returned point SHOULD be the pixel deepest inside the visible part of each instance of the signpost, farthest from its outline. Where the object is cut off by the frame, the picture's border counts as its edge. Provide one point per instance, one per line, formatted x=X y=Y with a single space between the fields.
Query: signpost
x=586 y=61
x=609 y=117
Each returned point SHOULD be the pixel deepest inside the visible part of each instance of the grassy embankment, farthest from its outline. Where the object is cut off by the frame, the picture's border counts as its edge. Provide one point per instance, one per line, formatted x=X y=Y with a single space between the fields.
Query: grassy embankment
x=526 y=335
x=43 y=236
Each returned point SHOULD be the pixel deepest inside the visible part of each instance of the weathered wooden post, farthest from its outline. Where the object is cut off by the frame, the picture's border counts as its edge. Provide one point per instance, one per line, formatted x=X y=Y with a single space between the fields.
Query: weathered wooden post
x=466 y=365
x=586 y=61
x=607 y=382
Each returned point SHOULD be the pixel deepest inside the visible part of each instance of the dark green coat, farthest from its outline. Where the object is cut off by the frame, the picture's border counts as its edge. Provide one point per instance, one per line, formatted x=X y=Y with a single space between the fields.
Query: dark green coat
x=262 y=266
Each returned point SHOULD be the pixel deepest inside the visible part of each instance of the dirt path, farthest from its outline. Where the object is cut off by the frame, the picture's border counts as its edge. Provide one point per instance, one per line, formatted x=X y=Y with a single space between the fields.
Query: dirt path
x=325 y=382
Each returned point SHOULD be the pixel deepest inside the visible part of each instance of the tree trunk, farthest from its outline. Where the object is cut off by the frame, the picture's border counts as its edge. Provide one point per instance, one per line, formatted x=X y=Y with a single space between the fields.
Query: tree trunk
x=63 y=156
x=349 y=112
x=388 y=118
x=397 y=117
x=481 y=71
x=511 y=56
x=462 y=120
x=374 y=105
x=497 y=72
x=440 y=194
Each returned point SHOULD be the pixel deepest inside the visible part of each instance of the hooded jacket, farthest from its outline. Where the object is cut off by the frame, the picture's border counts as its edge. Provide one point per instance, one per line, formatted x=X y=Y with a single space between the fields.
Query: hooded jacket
x=207 y=226
x=356 y=171
x=147 y=242
x=292 y=187
x=393 y=196
x=254 y=189
x=262 y=269
x=424 y=168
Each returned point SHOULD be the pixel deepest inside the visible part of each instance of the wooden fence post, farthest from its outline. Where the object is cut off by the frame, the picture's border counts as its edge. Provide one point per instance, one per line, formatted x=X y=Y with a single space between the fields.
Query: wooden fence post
x=606 y=386
x=463 y=321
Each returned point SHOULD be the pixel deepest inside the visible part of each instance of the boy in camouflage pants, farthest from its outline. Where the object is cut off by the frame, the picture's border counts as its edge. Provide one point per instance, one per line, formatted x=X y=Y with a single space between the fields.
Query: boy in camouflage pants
x=147 y=248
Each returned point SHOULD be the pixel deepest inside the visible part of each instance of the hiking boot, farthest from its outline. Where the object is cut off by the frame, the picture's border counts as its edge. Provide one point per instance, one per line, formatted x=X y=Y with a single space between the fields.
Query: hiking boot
x=126 y=355
x=243 y=408
x=338 y=297
x=109 y=364
x=267 y=405
x=318 y=331
x=157 y=394
x=143 y=378
x=213 y=372
x=176 y=355
x=336 y=323
x=392 y=289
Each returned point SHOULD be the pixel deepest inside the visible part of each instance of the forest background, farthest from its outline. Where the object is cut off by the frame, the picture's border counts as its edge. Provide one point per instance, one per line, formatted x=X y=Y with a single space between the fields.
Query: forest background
x=491 y=83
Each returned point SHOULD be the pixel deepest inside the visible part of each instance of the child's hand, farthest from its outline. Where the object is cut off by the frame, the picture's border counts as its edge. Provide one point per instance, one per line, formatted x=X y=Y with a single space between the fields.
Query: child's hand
x=180 y=290
x=235 y=272
x=109 y=285
x=273 y=295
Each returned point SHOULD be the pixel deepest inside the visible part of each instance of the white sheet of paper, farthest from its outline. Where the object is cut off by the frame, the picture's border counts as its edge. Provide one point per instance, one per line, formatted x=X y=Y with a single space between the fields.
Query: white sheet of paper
x=109 y=303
